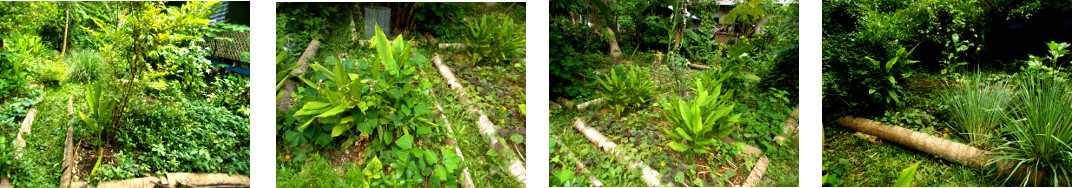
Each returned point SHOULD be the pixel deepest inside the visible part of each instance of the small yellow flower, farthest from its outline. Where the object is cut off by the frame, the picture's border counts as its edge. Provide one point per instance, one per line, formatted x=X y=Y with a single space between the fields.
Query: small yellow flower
x=501 y=121
x=662 y=163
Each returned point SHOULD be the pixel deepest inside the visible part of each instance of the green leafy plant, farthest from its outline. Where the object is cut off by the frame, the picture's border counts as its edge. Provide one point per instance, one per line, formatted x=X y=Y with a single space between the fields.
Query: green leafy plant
x=212 y=138
x=282 y=68
x=15 y=77
x=907 y=176
x=1048 y=65
x=28 y=46
x=699 y=122
x=384 y=95
x=746 y=14
x=1039 y=138
x=979 y=108
x=495 y=38
x=892 y=71
x=626 y=87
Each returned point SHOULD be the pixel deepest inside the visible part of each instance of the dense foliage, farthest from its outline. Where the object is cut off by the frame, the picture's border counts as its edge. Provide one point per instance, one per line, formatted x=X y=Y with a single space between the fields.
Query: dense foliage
x=905 y=62
x=187 y=137
x=384 y=100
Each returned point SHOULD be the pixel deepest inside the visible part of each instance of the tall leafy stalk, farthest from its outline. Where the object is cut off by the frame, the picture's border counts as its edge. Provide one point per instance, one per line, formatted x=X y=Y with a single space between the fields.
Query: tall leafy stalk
x=100 y=110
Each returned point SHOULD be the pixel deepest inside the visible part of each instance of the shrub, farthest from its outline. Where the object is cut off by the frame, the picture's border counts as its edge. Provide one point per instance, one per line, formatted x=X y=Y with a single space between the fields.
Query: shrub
x=50 y=71
x=384 y=100
x=85 y=66
x=575 y=54
x=978 y=108
x=230 y=91
x=346 y=100
x=626 y=87
x=17 y=50
x=699 y=122
x=495 y=38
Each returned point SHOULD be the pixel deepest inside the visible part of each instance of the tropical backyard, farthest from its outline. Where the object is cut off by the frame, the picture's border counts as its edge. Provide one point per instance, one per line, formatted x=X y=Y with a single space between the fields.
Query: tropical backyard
x=947 y=93
x=127 y=94
x=674 y=93
x=400 y=95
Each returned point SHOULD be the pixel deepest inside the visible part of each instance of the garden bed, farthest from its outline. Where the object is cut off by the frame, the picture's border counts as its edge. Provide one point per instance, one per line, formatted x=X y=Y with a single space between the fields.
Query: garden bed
x=93 y=94
x=647 y=144
x=450 y=146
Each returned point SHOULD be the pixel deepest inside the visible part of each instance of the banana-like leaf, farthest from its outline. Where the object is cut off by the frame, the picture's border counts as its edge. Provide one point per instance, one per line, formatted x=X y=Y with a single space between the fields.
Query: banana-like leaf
x=678 y=146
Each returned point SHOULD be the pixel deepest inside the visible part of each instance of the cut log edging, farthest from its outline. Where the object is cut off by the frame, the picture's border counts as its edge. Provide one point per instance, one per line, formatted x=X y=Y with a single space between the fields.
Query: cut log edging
x=175 y=180
x=465 y=171
x=484 y=124
x=649 y=175
x=960 y=153
x=283 y=103
x=790 y=127
x=592 y=179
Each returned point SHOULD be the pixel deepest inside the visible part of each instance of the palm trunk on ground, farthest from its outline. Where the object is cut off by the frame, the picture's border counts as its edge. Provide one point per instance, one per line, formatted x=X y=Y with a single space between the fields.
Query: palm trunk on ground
x=945 y=149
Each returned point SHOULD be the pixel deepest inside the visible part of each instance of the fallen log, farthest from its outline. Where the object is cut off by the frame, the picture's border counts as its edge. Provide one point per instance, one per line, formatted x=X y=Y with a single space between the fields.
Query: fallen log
x=946 y=149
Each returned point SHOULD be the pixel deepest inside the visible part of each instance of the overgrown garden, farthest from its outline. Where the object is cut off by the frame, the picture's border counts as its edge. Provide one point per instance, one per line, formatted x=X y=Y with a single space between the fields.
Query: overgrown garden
x=963 y=93
x=674 y=93
x=401 y=94
x=94 y=92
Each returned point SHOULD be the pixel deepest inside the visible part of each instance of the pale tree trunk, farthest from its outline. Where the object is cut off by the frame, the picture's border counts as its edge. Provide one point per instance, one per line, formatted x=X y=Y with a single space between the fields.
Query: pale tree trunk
x=65 y=26
x=615 y=52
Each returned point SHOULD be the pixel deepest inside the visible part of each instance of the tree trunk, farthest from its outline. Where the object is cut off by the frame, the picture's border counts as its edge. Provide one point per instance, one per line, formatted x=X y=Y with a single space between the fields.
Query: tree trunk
x=945 y=149
x=615 y=52
x=63 y=50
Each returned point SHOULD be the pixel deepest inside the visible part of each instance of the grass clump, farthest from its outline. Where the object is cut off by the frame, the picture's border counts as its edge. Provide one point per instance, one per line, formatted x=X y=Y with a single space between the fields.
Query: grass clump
x=84 y=66
x=978 y=108
x=1039 y=135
